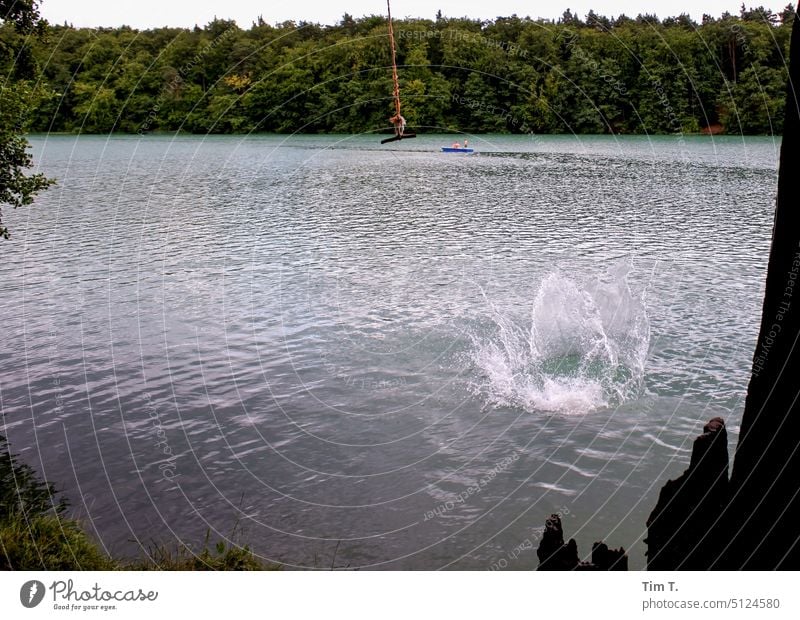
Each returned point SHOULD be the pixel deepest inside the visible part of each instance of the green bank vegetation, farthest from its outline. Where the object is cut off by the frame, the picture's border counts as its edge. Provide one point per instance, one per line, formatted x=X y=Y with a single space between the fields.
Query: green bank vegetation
x=584 y=75
x=35 y=534
x=21 y=91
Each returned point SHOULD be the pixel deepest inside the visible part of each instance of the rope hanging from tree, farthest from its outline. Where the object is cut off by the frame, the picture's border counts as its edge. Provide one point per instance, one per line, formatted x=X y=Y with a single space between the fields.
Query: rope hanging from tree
x=397 y=120
x=394 y=63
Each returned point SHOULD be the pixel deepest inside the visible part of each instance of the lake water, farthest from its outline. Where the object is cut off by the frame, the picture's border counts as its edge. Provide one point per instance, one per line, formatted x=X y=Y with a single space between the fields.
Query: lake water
x=381 y=357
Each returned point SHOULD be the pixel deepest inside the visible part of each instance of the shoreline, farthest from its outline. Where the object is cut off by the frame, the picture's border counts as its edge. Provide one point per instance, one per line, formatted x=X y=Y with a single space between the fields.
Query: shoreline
x=164 y=133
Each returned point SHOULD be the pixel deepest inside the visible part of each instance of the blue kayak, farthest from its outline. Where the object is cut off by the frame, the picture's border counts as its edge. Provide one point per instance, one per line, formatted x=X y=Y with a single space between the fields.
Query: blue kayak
x=451 y=149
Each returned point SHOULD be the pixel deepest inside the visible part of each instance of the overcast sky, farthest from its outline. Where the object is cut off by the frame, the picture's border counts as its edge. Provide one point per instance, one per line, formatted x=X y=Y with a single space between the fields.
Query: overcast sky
x=150 y=13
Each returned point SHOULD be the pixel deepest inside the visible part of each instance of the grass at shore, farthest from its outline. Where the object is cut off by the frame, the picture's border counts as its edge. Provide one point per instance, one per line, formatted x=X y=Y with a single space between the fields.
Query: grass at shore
x=36 y=535
x=52 y=542
x=48 y=542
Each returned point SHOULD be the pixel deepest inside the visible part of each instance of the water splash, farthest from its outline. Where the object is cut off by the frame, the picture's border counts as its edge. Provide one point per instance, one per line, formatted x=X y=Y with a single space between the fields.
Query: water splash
x=584 y=347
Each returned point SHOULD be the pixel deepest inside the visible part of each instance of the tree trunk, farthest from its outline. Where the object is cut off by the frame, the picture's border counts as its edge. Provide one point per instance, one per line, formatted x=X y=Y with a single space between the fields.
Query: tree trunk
x=765 y=484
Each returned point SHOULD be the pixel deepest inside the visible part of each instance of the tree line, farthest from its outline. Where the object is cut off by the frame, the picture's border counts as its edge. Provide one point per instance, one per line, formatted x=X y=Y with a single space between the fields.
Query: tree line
x=511 y=74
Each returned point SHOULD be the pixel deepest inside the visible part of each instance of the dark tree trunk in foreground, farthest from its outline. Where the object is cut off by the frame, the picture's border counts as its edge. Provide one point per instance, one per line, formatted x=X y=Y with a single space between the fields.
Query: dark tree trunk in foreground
x=702 y=521
x=764 y=520
x=684 y=531
x=554 y=554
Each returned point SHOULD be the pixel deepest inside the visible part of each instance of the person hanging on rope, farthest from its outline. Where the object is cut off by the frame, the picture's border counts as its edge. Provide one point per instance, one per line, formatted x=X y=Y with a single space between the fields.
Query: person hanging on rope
x=399 y=124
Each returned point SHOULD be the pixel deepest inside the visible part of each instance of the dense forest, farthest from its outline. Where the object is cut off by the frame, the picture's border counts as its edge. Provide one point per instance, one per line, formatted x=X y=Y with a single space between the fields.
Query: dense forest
x=584 y=75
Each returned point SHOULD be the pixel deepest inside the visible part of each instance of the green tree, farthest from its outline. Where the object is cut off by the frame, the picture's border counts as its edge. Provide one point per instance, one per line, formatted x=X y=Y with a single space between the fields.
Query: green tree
x=755 y=104
x=19 y=93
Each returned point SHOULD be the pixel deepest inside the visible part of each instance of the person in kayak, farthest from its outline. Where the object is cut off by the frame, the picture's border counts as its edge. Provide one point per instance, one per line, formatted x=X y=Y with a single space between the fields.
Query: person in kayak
x=456 y=145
